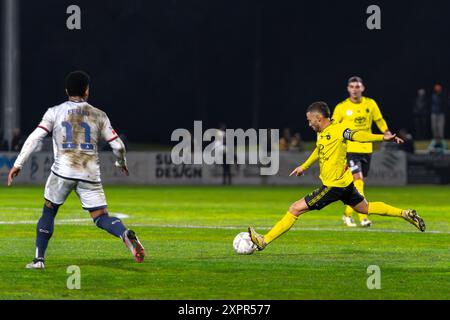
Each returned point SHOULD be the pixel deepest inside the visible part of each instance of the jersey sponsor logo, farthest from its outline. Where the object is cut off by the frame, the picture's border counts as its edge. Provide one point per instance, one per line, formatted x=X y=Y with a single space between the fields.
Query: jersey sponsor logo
x=320 y=148
x=360 y=120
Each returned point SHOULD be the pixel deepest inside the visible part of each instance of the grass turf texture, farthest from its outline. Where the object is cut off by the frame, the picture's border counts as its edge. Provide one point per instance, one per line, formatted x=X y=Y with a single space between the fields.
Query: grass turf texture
x=188 y=234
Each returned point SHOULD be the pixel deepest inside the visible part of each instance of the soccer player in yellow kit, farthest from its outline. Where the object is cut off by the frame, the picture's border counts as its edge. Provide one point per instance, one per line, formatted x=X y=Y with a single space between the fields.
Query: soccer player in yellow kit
x=358 y=113
x=331 y=151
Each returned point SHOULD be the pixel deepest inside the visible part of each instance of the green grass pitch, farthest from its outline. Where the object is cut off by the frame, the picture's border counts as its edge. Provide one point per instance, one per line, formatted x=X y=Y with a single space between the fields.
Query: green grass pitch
x=188 y=234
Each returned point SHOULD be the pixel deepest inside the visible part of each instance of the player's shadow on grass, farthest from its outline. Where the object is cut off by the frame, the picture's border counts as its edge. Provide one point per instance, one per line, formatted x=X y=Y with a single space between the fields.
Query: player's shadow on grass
x=118 y=264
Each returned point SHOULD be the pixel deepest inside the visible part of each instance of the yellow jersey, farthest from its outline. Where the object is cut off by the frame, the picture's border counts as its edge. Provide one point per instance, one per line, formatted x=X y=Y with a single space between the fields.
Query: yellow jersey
x=331 y=151
x=359 y=116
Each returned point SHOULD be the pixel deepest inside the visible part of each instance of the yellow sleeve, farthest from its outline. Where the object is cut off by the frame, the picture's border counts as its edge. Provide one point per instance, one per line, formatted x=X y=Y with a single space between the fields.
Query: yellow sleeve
x=362 y=136
x=378 y=118
x=337 y=114
x=382 y=125
x=310 y=161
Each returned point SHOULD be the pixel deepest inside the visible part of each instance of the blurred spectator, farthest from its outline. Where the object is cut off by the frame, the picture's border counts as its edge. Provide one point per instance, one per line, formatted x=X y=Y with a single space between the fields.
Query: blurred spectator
x=439 y=103
x=408 y=146
x=437 y=146
x=420 y=115
x=17 y=140
x=296 y=143
x=285 y=140
x=3 y=142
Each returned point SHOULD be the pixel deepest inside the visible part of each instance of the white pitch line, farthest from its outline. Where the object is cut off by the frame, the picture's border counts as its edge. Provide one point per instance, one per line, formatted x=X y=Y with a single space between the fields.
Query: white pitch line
x=293 y=229
x=65 y=221
x=83 y=221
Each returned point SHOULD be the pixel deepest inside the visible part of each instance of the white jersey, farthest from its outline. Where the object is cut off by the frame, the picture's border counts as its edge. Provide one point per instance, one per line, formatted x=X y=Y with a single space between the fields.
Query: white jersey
x=77 y=127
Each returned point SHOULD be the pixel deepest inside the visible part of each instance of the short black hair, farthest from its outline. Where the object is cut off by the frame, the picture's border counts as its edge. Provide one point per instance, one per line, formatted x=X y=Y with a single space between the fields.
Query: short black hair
x=76 y=83
x=320 y=107
x=355 y=79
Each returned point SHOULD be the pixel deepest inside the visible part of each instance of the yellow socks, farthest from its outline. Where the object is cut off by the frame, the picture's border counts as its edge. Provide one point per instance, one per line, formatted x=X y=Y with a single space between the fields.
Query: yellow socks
x=382 y=209
x=359 y=185
x=281 y=227
x=348 y=211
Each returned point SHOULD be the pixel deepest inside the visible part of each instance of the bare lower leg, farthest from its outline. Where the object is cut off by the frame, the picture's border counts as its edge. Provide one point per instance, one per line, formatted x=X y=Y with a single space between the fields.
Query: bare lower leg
x=49 y=204
x=298 y=208
x=362 y=207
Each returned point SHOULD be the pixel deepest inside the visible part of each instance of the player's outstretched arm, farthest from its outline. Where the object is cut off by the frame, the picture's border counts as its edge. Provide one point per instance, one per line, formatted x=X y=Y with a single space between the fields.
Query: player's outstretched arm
x=363 y=136
x=379 y=119
x=382 y=125
x=299 y=171
x=29 y=146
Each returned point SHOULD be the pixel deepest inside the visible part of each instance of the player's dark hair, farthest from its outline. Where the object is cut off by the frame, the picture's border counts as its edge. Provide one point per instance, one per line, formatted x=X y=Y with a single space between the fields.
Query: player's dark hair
x=76 y=83
x=320 y=107
x=355 y=79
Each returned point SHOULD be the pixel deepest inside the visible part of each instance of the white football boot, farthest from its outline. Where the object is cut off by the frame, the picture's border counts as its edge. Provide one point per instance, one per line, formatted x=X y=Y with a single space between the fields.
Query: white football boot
x=36 y=264
x=348 y=221
x=132 y=242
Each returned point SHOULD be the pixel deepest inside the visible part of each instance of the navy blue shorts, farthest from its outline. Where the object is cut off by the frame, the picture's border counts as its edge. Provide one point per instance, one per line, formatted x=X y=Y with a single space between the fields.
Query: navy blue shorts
x=323 y=196
x=359 y=162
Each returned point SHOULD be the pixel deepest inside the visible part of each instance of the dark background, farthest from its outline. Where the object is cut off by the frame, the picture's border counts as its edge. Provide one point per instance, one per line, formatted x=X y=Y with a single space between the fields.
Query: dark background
x=160 y=65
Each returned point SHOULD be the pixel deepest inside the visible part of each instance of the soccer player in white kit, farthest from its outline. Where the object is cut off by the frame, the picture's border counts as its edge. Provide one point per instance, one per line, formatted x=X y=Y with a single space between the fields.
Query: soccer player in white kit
x=77 y=127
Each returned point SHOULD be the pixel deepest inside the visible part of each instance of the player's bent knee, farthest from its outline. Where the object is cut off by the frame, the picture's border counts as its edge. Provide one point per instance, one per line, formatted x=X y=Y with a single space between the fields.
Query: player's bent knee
x=298 y=208
x=50 y=204
x=362 y=207
x=97 y=213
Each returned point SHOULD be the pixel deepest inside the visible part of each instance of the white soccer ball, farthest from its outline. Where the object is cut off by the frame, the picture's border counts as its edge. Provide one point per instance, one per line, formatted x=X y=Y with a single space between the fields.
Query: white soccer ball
x=243 y=244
